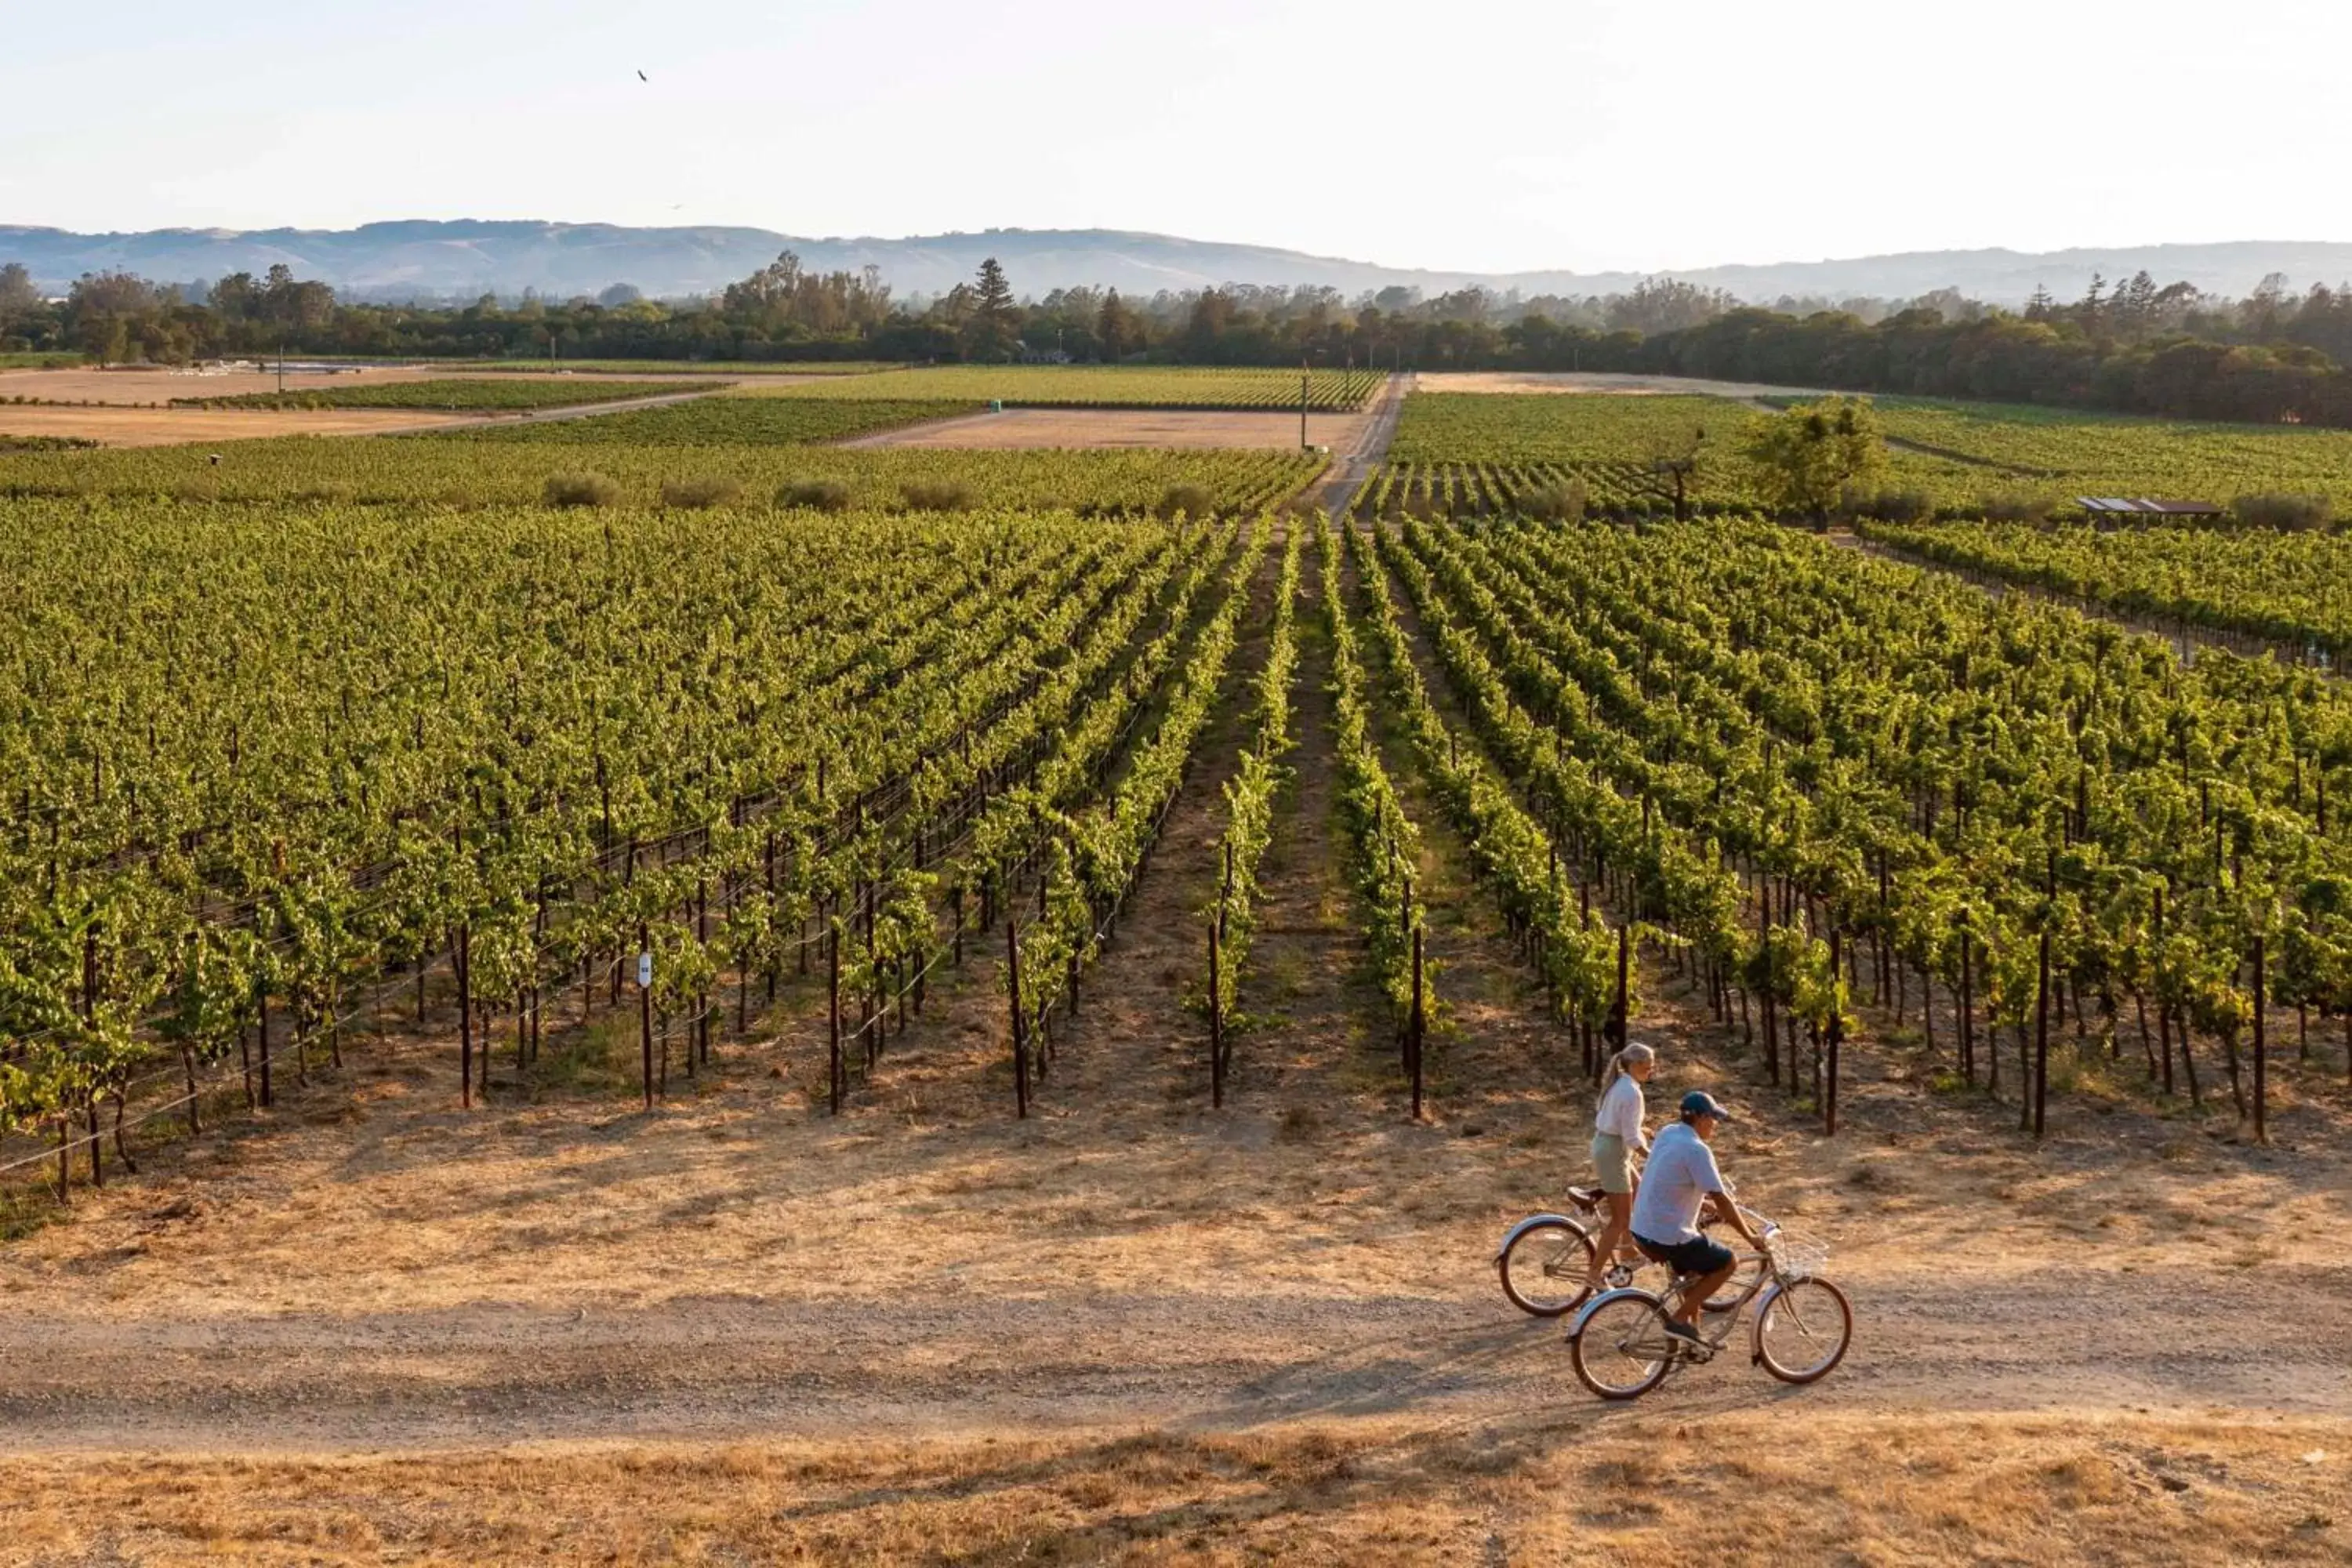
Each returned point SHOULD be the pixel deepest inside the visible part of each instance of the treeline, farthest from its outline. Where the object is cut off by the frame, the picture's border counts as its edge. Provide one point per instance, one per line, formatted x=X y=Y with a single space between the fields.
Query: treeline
x=2272 y=357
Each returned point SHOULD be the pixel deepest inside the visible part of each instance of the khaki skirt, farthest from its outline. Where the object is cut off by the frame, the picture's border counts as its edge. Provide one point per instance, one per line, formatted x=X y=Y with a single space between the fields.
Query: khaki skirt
x=1611 y=1159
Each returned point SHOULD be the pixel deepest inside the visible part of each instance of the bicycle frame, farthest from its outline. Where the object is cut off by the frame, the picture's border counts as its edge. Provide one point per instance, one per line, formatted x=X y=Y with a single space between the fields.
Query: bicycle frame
x=1762 y=1286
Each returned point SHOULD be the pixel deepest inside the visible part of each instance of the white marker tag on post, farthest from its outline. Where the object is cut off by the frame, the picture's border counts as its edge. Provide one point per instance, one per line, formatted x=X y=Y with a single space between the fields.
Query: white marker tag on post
x=645 y=971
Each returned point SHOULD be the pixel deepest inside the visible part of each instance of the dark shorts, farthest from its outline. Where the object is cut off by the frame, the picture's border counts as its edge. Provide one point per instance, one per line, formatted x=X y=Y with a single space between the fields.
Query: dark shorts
x=1697 y=1255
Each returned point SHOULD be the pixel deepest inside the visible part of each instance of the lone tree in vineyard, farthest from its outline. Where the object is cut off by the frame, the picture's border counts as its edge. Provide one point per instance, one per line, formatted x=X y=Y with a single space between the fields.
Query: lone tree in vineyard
x=993 y=329
x=1808 y=457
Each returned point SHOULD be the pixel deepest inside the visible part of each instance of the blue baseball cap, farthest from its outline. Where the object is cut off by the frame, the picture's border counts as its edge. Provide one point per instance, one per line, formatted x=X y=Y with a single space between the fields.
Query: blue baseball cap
x=1698 y=1103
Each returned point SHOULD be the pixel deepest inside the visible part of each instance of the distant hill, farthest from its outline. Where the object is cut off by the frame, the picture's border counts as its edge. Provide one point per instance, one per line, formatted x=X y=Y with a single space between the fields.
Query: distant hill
x=424 y=258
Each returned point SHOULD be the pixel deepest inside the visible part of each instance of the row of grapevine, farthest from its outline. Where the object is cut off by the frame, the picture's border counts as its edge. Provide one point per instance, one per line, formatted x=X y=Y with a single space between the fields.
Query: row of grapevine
x=1383 y=844
x=1585 y=964
x=1094 y=854
x=1250 y=798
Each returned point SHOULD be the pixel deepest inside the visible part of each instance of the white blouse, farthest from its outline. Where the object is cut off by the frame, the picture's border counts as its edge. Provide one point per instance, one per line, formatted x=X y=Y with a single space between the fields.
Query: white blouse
x=1620 y=1111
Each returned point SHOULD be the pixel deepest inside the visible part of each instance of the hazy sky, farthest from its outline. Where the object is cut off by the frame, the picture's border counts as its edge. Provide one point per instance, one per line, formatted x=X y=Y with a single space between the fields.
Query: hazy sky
x=1482 y=135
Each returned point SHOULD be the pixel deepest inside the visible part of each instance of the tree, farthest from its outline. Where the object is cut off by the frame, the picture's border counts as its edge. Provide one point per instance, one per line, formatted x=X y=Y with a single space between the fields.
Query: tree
x=17 y=295
x=1806 y=457
x=1118 y=329
x=107 y=309
x=993 y=327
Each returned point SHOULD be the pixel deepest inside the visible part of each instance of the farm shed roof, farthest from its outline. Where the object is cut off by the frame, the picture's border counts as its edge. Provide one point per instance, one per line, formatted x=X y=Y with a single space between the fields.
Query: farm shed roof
x=2141 y=506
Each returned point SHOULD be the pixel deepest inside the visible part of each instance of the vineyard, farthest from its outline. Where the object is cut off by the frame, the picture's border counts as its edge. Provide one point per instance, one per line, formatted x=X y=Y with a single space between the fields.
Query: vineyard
x=652 y=924
x=726 y=421
x=456 y=394
x=720 y=367
x=2073 y=452
x=269 y=821
x=1478 y=454
x=1053 y=387
x=1781 y=766
x=2290 y=588
x=469 y=472
x=1578 y=431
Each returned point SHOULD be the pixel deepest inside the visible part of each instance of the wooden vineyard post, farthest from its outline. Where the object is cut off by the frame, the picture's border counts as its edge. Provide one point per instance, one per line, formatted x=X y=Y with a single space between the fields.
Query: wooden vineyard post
x=464 y=1026
x=1404 y=917
x=645 y=1013
x=188 y=1066
x=1020 y=1041
x=1419 y=1021
x=2163 y=1010
x=2262 y=1042
x=959 y=925
x=834 y=1072
x=1217 y=1027
x=1618 y=1022
x=701 y=935
x=2042 y=1036
x=262 y=1024
x=1836 y=1035
x=1968 y=1010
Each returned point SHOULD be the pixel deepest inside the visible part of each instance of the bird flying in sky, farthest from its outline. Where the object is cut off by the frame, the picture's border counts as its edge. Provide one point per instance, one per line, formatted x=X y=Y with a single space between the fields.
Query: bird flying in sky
x=641 y=75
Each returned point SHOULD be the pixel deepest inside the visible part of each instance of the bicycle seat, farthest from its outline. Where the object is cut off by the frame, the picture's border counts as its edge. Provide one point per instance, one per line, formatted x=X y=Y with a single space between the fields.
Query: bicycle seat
x=1586 y=1197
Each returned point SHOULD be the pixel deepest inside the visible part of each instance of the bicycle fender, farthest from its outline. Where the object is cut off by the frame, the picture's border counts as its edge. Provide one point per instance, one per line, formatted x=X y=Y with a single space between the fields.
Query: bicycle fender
x=1594 y=1305
x=1531 y=1223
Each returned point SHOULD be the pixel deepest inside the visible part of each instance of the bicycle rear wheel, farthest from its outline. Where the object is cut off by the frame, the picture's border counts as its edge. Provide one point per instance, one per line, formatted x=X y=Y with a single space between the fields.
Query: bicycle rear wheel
x=1803 y=1330
x=1622 y=1349
x=1544 y=1267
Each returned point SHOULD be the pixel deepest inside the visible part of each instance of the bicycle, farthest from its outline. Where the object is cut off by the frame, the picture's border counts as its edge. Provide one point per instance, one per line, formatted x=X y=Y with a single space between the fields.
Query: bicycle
x=1803 y=1324
x=1544 y=1259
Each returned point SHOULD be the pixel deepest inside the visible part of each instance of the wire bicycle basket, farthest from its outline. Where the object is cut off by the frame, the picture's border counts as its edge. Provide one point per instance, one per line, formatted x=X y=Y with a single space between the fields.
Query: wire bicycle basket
x=1797 y=1255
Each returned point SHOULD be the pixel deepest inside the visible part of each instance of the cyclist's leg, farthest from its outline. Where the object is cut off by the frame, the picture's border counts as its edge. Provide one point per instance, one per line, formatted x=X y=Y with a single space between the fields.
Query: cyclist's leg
x=1612 y=1161
x=1704 y=1266
x=1612 y=1237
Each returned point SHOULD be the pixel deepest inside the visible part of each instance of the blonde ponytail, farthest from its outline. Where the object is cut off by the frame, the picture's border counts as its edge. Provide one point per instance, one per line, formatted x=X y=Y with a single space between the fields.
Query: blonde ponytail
x=1634 y=1055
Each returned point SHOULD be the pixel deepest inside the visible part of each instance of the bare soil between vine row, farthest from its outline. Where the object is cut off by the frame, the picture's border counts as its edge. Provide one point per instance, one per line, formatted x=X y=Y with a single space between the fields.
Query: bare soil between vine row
x=368 y=1326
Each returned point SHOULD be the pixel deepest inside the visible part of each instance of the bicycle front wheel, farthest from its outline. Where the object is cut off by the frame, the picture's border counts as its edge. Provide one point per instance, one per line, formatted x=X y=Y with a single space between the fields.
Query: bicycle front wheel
x=1544 y=1267
x=1803 y=1330
x=1622 y=1349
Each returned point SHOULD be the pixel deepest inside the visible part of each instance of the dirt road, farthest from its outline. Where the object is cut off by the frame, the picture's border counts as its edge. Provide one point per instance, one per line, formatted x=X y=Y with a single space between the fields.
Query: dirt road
x=1352 y=467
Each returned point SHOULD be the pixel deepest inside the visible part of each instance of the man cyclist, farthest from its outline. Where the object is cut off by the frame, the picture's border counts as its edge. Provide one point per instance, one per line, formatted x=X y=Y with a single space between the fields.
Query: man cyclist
x=1681 y=1179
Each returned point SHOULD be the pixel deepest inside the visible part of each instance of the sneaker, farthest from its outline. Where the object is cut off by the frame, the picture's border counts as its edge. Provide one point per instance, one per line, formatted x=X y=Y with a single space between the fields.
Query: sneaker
x=1685 y=1333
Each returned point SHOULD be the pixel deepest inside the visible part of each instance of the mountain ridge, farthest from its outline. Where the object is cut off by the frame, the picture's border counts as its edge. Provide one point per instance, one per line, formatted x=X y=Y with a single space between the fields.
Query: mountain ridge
x=439 y=259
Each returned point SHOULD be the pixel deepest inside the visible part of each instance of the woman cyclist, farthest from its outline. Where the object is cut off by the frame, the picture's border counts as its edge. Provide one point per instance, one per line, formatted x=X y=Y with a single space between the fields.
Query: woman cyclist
x=1617 y=1137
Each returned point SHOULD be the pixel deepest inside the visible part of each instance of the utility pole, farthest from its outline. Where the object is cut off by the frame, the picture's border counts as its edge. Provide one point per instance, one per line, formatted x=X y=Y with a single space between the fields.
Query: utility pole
x=281 y=365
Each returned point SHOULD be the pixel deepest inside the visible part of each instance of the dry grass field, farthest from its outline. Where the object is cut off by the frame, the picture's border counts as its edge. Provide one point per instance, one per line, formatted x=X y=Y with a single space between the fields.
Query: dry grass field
x=370 y=1327
x=1024 y=429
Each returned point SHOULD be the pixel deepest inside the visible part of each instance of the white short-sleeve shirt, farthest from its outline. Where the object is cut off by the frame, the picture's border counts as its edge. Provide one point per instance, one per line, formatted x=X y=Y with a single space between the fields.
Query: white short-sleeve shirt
x=1679 y=1175
x=1620 y=1111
